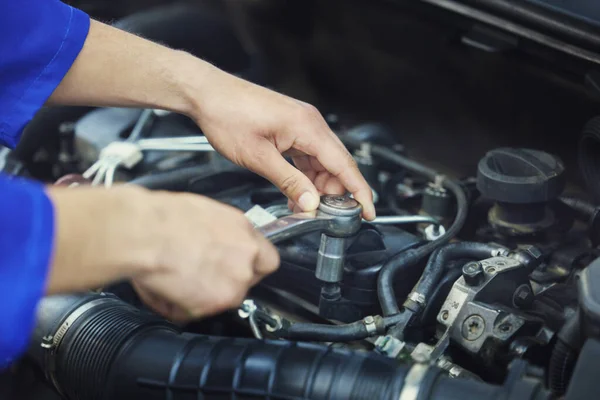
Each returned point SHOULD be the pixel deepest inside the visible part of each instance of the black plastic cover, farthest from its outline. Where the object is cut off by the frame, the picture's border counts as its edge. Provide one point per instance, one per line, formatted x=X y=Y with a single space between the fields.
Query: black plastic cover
x=520 y=176
x=585 y=384
x=589 y=297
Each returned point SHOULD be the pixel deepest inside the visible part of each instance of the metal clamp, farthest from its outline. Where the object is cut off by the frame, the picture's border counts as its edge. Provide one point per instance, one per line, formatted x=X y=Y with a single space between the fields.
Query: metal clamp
x=418 y=298
x=412 y=382
x=370 y=325
x=52 y=342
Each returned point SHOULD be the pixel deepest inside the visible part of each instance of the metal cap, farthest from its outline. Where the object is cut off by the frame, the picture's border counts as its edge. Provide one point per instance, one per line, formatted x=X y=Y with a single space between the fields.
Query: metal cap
x=339 y=205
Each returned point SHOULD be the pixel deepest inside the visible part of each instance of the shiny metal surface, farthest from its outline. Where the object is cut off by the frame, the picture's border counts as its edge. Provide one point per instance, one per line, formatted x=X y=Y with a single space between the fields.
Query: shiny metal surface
x=330 y=262
x=293 y=226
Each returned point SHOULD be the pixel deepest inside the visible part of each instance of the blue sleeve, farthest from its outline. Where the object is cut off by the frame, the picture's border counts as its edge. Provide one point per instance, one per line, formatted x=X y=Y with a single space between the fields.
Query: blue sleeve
x=26 y=240
x=39 y=41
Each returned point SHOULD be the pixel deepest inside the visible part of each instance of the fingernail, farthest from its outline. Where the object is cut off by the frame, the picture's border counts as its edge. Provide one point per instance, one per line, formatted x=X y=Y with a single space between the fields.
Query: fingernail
x=308 y=201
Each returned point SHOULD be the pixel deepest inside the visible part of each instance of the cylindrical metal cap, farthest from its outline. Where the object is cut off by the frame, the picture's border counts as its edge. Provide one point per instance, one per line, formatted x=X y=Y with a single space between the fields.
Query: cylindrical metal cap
x=339 y=205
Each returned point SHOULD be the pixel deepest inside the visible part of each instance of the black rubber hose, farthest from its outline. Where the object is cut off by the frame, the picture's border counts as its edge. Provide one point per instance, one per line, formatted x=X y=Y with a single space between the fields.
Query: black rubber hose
x=589 y=157
x=439 y=295
x=441 y=258
x=583 y=209
x=335 y=333
x=99 y=348
x=325 y=333
x=564 y=356
x=560 y=369
x=409 y=258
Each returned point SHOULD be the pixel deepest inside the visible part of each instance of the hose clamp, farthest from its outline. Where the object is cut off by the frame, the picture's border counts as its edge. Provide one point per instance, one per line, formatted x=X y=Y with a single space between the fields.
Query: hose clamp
x=418 y=298
x=412 y=382
x=52 y=343
x=370 y=325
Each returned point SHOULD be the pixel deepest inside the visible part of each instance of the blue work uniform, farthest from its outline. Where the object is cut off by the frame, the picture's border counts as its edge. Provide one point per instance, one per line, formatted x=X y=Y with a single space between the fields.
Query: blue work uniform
x=39 y=41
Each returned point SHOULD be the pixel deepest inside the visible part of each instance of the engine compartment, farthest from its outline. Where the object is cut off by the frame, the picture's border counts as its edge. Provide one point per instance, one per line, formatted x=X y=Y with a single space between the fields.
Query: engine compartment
x=481 y=265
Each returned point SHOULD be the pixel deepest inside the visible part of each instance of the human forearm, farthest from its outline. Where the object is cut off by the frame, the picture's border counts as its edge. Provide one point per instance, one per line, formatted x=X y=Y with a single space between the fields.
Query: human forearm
x=100 y=237
x=250 y=125
x=116 y=68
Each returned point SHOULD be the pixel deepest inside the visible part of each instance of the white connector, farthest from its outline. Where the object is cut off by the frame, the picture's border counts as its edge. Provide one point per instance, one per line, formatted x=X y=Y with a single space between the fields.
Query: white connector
x=125 y=154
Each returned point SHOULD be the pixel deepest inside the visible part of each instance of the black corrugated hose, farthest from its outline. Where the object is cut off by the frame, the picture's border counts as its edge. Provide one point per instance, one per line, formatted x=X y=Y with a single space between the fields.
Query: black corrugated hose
x=406 y=259
x=564 y=356
x=97 y=347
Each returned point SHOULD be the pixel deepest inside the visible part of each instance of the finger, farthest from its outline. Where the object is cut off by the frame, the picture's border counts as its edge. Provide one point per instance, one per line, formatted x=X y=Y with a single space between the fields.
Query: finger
x=267 y=260
x=326 y=183
x=268 y=162
x=334 y=157
x=161 y=306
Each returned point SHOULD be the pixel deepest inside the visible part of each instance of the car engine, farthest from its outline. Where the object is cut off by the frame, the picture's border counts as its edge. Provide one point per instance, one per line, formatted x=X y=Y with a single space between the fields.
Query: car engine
x=480 y=285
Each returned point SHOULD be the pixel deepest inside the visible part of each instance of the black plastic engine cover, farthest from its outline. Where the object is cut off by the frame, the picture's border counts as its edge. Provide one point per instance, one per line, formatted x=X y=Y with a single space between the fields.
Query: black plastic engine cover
x=365 y=255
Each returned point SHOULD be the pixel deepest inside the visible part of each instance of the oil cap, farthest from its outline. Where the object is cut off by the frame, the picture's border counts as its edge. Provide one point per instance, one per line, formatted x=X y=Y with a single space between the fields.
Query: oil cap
x=520 y=176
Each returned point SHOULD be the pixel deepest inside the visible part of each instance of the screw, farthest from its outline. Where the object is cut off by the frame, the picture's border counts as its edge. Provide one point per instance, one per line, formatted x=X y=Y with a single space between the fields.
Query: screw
x=505 y=327
x=473 y=327
x=445 y=315
x=472 y=273
x=523 y=296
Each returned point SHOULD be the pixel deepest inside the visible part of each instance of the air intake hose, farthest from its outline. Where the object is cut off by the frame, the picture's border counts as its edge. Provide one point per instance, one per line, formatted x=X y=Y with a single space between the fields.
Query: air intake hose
x=96 y=347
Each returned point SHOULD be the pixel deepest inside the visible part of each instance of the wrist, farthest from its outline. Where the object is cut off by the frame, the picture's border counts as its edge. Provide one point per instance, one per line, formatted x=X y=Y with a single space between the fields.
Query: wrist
x=101 y=236
x=192 y=77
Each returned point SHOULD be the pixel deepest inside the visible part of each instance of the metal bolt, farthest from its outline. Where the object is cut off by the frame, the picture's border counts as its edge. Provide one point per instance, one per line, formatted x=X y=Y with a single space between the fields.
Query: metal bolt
x=369 y=319
x=523 y=296
x=473 y=327
x=472 y=273
x=445 y=315
x=505 y=327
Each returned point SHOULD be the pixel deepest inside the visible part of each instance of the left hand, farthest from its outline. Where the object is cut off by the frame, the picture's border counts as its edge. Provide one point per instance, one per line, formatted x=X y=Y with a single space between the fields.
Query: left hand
x=254 y=127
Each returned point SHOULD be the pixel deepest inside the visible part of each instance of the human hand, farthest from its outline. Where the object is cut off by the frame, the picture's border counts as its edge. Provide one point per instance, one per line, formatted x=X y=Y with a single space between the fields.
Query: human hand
x=209 y=256
x=188 y=256
x=253 y=127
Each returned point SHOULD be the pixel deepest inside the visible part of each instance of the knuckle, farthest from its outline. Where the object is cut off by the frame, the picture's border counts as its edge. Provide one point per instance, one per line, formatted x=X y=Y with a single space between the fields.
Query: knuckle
x=290 y=184
x=245 y=276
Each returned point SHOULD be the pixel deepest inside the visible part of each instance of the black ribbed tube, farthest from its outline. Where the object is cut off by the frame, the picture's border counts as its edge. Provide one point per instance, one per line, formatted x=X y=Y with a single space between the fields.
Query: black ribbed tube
x=114 y=352
x=408 y=259
x=560 y=369
x=441 y=258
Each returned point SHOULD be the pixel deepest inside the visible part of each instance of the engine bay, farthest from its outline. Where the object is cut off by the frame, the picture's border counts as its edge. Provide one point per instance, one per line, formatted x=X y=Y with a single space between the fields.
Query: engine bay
x=475 y=279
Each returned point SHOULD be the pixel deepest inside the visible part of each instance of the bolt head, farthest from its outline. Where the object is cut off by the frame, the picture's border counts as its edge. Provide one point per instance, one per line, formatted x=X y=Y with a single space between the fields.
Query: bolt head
x=339 y=205
x=473 y=273
x=523 y=296
x=473 y=327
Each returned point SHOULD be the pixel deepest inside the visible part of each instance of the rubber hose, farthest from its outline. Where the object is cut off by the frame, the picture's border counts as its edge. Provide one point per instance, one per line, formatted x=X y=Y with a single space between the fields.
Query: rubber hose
x=583 y=209
x=105 y=349
x=560 y=369
x=439 y=295
x=589 y=157
x=408 y=259
x=435 y=268
x=325 y=333
x=564 y=355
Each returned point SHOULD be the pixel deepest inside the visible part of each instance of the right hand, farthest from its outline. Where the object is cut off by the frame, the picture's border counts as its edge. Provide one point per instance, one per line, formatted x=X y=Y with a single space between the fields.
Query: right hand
x=188 y=256
x=208 y=258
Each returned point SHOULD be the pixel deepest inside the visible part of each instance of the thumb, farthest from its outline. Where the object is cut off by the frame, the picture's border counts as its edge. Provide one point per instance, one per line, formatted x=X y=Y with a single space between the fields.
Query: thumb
x=291 y=181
